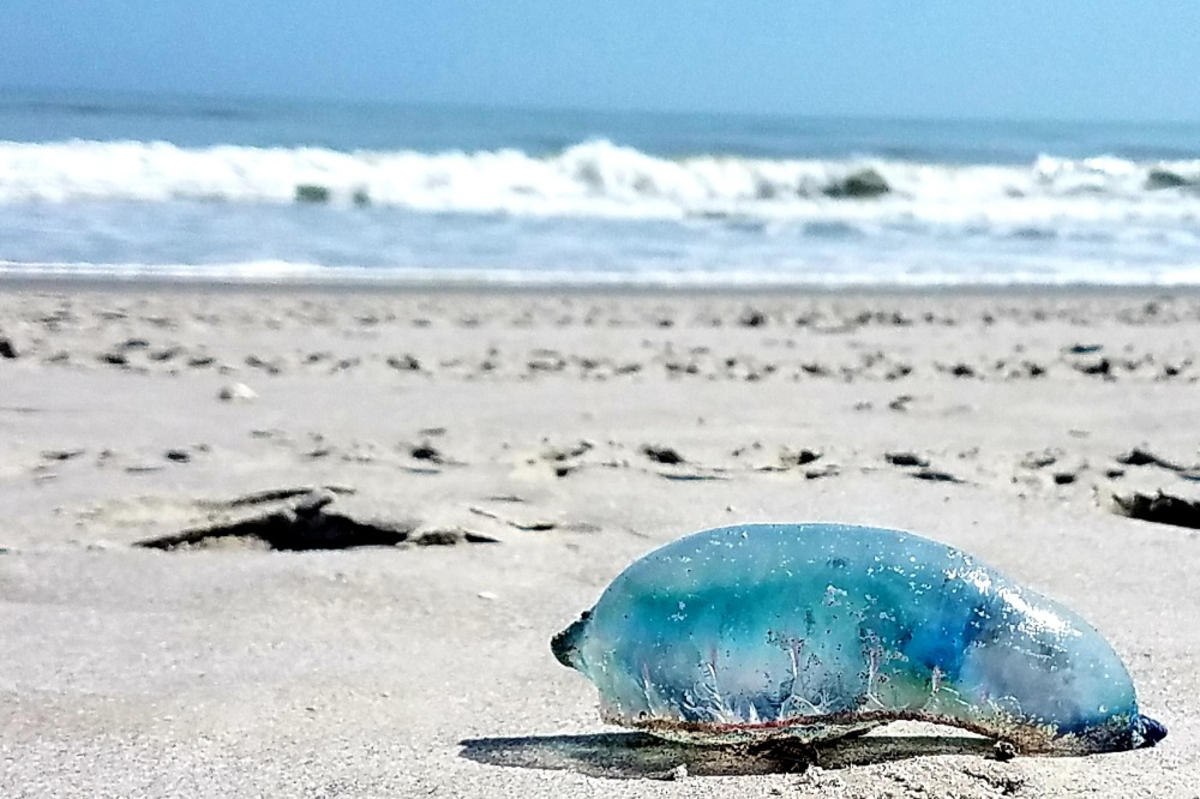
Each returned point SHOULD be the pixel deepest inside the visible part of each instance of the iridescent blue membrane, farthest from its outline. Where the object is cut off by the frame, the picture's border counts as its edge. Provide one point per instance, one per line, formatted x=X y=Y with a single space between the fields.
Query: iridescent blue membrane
x=816 y=631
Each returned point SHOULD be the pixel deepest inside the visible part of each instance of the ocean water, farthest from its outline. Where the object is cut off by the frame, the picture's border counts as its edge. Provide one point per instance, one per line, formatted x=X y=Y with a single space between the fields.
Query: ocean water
x=251 y=189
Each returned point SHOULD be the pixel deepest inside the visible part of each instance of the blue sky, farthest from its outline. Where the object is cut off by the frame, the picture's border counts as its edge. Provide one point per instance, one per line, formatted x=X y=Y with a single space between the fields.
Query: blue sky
x=1030 y=59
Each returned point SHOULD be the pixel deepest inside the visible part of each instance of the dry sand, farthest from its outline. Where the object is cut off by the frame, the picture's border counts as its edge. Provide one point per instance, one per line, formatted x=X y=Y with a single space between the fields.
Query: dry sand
x=523 y=448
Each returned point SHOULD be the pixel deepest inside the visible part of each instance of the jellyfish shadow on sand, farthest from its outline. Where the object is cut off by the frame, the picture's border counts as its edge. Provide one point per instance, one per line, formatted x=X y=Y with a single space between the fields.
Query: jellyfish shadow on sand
x=634 y=755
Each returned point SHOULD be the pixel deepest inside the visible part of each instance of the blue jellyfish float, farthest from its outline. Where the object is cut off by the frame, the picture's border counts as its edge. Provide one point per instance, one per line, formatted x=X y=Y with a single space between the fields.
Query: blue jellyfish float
x=817 y=631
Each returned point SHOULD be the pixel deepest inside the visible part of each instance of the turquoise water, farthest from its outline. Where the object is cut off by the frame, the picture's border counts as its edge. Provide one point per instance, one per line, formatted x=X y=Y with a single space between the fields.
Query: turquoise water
x=224 y=189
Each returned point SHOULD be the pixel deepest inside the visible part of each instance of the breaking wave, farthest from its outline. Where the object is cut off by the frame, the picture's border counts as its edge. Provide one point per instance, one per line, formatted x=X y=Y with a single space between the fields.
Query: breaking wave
x=601 y=179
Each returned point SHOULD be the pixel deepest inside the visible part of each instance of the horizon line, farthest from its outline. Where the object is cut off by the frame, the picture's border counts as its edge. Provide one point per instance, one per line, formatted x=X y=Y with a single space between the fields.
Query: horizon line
x=546 y=108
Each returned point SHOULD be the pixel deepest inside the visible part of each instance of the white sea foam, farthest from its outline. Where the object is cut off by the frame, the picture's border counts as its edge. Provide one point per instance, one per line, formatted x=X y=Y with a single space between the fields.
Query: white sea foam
x=284 y=273
x=605 y=180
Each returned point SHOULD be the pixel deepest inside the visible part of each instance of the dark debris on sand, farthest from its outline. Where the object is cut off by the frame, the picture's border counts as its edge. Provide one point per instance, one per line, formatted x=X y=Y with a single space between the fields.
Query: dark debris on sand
x=296 y=520
x=905 y=459
x=935 y=476
x=426 y=452
x=1141 y=457
x=663 y=455
x=1159 y=507
x=802 y=457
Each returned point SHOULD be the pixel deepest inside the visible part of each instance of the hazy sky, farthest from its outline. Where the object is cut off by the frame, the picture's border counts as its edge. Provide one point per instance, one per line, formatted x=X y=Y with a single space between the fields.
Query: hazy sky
x=1090 y=59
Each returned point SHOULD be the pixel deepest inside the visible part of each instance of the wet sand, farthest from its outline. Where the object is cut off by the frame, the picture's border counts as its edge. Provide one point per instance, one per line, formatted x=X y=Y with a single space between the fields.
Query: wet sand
x=315 y=541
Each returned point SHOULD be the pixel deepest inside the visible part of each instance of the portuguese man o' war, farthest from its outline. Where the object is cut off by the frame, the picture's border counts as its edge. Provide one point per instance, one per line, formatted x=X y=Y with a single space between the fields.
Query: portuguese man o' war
x=819 y=631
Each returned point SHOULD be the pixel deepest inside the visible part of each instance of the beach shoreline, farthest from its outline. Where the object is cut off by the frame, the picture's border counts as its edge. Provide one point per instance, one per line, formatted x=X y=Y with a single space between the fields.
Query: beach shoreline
x=383 y=284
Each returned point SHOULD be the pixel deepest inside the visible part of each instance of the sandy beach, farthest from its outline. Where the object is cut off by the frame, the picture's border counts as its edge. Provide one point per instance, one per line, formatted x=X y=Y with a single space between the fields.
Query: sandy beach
x=314 y=541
